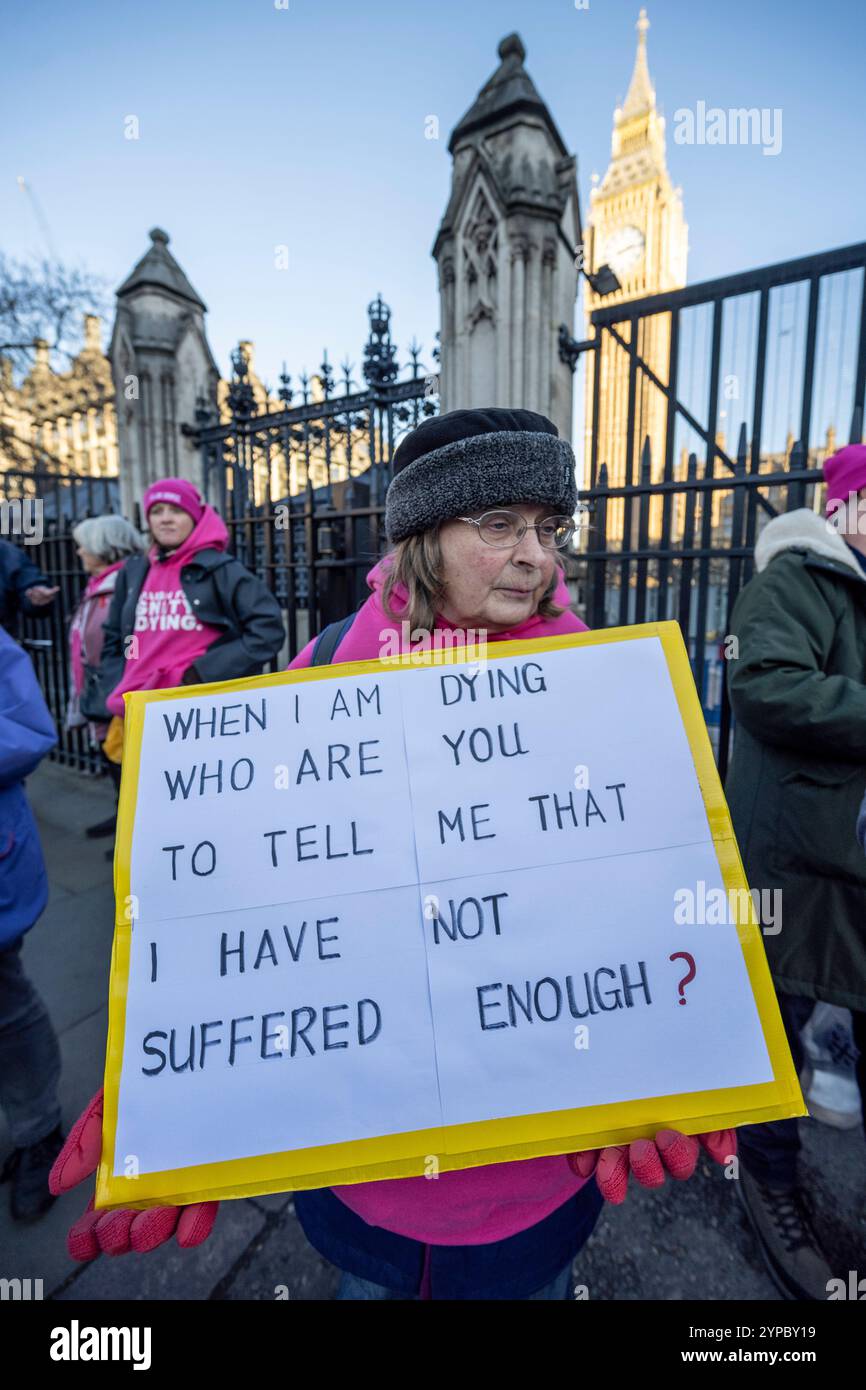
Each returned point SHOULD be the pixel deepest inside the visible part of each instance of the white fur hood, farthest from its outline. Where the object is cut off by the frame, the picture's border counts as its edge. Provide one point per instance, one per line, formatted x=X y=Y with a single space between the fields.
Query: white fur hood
x=803 y=529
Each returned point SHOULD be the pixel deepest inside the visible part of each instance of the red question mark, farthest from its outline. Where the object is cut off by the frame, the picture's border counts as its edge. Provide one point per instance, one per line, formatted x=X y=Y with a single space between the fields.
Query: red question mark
x=681 y=989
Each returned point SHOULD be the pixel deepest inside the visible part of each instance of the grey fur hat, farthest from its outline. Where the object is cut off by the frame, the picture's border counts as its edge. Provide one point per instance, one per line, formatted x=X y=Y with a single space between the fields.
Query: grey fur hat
x=469 y=460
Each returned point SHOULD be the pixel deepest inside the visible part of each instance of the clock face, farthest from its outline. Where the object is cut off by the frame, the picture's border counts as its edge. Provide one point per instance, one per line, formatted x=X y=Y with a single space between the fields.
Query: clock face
x=624 y=249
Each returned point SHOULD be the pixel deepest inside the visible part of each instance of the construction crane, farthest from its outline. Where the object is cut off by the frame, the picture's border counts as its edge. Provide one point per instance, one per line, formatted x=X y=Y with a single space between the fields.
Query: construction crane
x=41 y=219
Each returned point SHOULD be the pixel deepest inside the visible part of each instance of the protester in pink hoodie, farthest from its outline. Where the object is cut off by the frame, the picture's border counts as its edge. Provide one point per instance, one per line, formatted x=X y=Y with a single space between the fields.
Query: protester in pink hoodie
x=168 y=636
x=480 y=502
x=187 y=612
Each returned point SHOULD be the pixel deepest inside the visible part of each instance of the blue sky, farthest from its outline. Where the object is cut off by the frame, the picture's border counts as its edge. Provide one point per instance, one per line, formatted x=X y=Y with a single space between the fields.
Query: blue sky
x=304 y=127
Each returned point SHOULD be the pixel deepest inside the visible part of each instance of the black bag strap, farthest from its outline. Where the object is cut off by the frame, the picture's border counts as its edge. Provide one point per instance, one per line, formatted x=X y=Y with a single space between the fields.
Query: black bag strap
x=329 y=640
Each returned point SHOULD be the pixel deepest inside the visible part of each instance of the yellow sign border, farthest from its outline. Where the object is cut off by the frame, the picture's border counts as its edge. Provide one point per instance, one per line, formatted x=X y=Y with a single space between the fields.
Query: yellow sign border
x=486 y=1141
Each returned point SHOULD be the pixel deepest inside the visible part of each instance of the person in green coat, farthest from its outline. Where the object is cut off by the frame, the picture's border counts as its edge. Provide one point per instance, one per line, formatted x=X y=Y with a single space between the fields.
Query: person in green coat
x=797 y=685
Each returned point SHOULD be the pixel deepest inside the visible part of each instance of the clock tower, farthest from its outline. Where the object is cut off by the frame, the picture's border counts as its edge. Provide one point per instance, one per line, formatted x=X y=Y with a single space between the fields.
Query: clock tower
x=636 y=226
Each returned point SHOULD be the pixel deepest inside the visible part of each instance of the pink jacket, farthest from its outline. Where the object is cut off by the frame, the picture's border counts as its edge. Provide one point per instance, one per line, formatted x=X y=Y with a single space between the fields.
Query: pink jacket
x=85 y=630
x=472 y=1206
x=168 y=633
x=85 y=640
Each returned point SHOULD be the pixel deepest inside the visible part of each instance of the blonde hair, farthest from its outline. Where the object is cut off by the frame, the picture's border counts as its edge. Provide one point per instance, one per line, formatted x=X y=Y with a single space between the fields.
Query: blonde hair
x=417 y=565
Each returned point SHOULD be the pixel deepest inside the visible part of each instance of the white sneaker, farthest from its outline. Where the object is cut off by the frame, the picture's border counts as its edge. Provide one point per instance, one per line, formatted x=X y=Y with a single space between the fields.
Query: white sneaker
x=833 y=1098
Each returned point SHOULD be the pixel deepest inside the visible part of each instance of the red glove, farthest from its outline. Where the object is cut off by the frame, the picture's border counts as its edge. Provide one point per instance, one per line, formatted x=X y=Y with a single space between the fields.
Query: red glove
x=672 y=1151
x=118 y=1231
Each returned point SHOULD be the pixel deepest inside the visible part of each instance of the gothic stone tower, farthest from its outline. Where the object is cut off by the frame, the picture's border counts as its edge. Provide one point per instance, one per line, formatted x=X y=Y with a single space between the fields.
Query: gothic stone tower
x=162 y=365
x=505 y=251
x=636 y=226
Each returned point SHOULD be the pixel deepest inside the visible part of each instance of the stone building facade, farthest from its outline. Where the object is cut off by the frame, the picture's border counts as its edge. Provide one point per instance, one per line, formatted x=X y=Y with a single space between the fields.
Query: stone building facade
x=62 y=421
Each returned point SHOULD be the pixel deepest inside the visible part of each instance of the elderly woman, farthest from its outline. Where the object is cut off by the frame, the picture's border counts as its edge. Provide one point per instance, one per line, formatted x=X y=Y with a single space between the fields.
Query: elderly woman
x=104 y=544
x=480 y=507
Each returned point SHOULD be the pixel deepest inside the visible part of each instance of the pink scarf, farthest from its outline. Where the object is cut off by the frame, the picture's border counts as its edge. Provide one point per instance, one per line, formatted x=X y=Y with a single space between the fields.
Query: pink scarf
x=97 y=585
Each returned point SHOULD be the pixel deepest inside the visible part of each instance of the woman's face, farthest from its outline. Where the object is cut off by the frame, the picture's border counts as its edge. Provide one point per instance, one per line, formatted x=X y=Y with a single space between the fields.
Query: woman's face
x=90 y=563
x=169 y=525
x=487 y=587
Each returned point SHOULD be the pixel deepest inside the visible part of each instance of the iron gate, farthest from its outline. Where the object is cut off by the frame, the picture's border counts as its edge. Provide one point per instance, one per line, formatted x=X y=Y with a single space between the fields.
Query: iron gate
x=710 y=410
x=302 y=489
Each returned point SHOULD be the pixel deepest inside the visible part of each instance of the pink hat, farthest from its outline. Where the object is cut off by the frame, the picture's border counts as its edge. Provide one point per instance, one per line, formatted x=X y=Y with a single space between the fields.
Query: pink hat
x=178 y=492
x=844 y=473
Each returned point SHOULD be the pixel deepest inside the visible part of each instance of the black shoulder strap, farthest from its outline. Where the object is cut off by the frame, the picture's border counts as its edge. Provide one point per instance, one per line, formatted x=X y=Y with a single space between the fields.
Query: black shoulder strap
x=329 y=640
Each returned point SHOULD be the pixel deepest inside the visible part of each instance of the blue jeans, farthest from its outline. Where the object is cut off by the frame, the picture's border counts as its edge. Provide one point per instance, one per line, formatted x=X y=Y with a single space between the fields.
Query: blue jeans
x=29 y=1055
x=517 y=1267
x=353 y=1287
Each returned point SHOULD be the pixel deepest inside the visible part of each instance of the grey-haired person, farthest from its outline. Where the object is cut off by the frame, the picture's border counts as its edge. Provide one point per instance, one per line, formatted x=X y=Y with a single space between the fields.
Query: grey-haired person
x=104 y=544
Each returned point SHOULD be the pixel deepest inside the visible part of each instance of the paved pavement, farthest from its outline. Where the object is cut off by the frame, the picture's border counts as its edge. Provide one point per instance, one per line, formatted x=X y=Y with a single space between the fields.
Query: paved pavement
x=684 y=1241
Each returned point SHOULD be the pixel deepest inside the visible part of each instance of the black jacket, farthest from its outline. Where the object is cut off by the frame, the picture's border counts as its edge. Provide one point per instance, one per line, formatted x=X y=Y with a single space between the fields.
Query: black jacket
x=220 y=591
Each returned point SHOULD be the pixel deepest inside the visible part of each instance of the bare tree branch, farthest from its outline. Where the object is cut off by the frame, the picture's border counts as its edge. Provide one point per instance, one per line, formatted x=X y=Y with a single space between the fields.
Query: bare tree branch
x=44 y=302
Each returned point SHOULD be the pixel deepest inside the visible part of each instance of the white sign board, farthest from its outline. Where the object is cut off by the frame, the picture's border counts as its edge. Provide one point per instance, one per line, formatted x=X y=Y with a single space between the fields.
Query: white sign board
x=360 y=907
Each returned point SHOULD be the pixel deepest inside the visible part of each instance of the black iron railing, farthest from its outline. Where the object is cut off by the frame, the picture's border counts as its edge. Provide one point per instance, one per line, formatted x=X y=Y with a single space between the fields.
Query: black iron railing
x=710 y=410
x=302 y=488
x=720 y=403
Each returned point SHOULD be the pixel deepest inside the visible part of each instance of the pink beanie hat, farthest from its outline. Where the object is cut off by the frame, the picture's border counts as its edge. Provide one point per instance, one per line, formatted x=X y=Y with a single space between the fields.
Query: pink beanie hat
x=178 y=492
x=844 y=472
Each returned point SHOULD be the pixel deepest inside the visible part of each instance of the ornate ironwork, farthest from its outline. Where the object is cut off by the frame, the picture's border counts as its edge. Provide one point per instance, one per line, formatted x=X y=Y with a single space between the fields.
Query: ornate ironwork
x=380 y=365
x=285 y=392
x=241 y=400
x=322 y=461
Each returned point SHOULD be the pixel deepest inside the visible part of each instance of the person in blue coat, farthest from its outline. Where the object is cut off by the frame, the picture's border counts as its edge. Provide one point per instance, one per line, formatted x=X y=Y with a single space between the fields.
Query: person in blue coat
x=29 y=1051
x=23 y=587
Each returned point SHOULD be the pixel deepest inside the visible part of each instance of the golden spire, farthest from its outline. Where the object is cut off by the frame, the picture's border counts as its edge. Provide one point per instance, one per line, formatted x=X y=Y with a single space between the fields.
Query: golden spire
x=638 y=143
x=641 y=93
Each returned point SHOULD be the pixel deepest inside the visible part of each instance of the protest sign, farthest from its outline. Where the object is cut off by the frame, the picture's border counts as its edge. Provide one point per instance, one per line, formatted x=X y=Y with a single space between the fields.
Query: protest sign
x=384 y=919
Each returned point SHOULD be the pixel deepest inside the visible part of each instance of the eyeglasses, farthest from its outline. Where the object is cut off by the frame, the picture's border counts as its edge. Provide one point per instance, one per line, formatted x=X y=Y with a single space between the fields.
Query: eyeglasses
x=506 y=529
